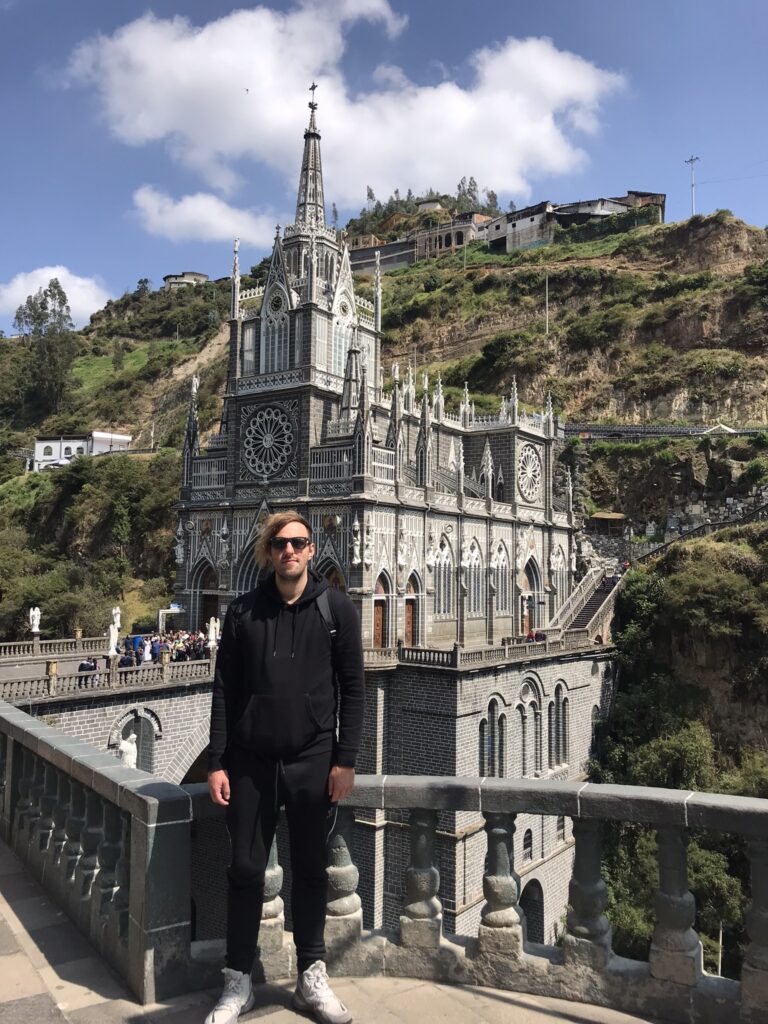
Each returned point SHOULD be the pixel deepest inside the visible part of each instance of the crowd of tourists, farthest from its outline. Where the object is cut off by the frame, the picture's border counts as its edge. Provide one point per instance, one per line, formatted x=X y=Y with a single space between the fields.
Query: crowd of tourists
x=146 y=650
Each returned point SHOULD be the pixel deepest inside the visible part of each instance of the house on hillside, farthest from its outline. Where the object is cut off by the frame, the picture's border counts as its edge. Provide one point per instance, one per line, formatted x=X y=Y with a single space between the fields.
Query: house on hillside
x=536 y=225
x=60 y=449
x=188 y=277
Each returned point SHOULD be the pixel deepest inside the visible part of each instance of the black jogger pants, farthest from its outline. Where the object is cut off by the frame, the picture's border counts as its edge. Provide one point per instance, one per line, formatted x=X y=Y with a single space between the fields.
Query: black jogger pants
x=258 y=787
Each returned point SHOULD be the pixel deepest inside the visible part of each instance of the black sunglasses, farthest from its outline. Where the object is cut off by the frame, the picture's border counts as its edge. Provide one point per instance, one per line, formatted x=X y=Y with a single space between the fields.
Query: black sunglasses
x=297 y=543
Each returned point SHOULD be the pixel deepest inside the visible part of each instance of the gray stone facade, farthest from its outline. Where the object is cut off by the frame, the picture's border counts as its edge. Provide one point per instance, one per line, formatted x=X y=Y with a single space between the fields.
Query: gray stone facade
x=443 y=529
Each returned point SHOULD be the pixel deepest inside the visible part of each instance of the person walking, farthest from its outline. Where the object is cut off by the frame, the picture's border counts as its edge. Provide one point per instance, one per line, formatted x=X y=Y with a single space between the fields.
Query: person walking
x=290 y=662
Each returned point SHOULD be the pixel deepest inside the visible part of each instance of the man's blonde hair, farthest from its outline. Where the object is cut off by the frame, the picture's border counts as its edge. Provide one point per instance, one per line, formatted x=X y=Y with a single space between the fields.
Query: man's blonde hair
x=272 y=526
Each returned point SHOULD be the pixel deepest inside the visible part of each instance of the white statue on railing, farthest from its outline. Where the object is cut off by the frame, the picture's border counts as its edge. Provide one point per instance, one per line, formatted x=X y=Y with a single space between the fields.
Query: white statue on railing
x=128 y=750
x=213 y=632
x=34 y=619
x=116 y=616
x=113 y=640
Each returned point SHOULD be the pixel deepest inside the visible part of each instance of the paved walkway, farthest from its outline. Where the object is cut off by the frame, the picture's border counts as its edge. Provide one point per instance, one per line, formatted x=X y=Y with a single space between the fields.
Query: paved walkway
x=50 y=974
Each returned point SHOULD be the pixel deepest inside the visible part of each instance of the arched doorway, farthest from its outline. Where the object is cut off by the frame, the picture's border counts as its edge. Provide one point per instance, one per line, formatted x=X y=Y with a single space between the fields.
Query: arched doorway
x=532 y=902
x=209 y=595
x=530 y=595
x=412 y=624
x=381 y=592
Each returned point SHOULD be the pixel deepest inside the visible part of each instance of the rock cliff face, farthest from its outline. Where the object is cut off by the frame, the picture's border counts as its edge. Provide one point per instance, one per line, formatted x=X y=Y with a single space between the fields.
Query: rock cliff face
x=665 y=323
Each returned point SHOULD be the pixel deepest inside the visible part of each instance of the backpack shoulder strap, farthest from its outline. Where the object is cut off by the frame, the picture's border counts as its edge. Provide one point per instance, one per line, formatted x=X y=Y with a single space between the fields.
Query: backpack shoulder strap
x=324 y=606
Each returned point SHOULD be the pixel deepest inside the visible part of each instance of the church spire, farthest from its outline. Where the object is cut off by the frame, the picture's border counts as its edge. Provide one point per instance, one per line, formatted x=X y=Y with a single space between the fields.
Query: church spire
x=310 y=202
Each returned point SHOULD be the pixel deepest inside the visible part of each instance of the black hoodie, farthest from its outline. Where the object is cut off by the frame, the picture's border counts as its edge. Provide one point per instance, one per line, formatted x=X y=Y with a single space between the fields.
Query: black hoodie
x=273 y=691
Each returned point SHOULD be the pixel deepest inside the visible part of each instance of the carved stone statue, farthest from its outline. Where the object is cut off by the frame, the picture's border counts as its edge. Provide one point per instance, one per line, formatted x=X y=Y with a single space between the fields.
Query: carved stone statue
x=401 y=549
x=195 y=385
x=34 y=619
x=368 y=549
x=116 y=616
x=113 y=639
x=356 y=559
x=178 y=548
x=212 y=632
x=128 y=750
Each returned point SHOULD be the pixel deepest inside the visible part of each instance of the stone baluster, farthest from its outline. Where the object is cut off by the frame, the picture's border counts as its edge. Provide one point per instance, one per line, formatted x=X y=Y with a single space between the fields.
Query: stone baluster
x=119 y=907
x=502 y=925
x=75 y=822
x=52 y=876
x=60 y=815
x=588 y=932
x=421 y=923
x=754 y=973
x=272 y=916
x=29 y=806
x=105 y=885
x=88 y=865
x=676 y=953
x=344 y=920
x=38 y=849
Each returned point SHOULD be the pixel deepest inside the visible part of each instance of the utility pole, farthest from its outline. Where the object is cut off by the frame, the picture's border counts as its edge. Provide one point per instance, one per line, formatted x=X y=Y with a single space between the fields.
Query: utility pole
x=546 y=303
x=692 y=160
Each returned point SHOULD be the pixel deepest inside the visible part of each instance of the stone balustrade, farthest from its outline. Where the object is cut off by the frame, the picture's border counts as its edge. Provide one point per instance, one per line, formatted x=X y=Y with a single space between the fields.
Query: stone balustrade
x=79 y=684
x=37 y=649
x=128 y=856
x=43 y=688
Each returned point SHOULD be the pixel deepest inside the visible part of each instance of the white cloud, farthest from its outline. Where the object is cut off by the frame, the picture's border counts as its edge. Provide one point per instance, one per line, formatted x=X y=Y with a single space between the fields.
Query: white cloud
x=200 y=217
x=84 y=294
x=234 y=91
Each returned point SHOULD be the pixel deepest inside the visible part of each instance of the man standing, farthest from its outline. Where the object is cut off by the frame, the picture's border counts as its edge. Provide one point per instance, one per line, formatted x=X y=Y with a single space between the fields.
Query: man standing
x=274 y=742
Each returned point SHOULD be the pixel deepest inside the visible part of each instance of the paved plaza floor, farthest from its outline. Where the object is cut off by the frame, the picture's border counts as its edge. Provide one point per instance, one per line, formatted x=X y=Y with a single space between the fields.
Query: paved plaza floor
x=50 y=974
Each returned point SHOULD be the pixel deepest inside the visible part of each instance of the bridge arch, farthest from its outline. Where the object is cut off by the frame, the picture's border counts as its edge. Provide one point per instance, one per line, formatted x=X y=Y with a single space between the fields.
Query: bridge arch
x=188 y=753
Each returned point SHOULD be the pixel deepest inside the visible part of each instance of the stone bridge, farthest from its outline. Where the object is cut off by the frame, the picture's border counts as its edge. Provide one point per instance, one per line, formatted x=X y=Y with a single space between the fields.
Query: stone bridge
x=133 y=860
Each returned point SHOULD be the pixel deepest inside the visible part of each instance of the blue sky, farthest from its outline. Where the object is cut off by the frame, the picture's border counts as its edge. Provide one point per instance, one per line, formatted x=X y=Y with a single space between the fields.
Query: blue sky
x=141 y=137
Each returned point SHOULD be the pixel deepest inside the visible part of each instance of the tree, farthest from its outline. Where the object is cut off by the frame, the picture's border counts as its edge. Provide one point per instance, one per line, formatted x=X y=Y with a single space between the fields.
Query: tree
x=334 y=215
x=118 y=354
x=45 y=319
x=370 y=196
x=143 y=287
x=491 y=201
x=472 y=193
x=512 y=206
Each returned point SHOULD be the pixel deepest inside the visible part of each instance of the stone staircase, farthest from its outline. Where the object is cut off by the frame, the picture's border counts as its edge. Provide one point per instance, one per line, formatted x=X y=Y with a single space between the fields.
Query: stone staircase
x=603 y=591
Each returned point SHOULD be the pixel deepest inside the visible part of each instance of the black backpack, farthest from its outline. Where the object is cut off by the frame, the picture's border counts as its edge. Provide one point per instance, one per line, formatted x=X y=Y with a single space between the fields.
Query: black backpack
x=324 y=606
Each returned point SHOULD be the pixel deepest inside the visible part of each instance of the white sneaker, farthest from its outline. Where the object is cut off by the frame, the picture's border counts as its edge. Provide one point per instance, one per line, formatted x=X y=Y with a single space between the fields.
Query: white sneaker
x=314 y=995
x=236 y=998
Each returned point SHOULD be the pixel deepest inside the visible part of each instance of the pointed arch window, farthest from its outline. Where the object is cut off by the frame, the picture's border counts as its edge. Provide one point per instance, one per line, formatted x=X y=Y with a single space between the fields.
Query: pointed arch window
x=421 y=466
x=474 y=570
x=444 y=581
x=501 y=573
x=492 y=739
x=276 y=343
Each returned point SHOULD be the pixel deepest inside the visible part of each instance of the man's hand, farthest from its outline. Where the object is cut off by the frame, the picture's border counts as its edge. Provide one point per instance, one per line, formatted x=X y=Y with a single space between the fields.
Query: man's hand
x=218 y=787
x=341 y=782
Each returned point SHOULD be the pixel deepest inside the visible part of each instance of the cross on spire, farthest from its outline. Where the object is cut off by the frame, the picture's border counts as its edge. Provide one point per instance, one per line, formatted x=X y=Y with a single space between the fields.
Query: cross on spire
x=312 y=104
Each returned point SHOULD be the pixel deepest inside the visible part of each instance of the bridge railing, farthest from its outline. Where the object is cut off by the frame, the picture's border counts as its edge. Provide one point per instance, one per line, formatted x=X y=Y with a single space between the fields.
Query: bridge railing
x=37 y=648
x=671 y=985
x=82 y=683
x=129 y=856
x=108 y=843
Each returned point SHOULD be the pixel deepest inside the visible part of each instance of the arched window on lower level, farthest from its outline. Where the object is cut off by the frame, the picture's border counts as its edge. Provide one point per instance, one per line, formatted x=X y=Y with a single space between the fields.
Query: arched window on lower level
x=528 y=846
x=47 y=451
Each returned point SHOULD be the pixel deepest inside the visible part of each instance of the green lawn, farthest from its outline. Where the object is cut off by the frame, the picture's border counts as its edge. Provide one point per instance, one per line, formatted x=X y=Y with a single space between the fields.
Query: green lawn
x=94 y=371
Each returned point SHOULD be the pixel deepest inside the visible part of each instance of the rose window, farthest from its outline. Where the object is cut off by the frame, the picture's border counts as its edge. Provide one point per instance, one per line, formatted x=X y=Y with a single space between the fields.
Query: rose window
x=268 y=442
x=529 y=473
